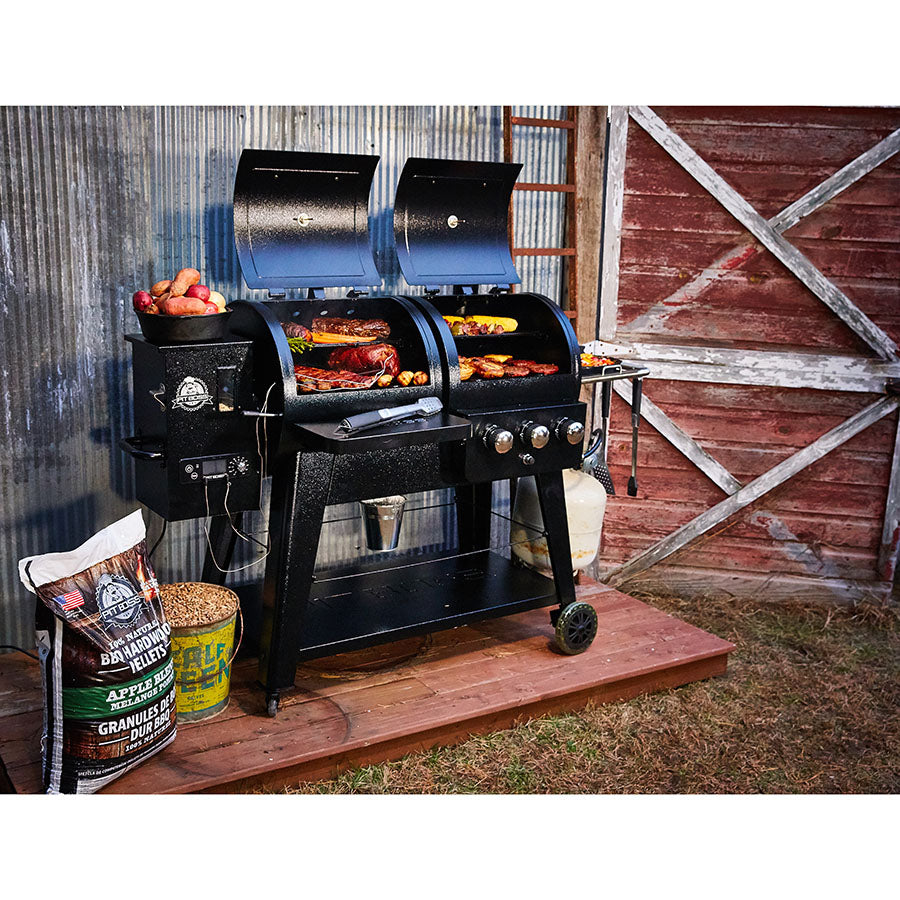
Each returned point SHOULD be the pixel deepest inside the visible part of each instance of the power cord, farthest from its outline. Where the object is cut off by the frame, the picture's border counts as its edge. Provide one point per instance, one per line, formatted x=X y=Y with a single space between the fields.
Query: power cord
x=19 y=649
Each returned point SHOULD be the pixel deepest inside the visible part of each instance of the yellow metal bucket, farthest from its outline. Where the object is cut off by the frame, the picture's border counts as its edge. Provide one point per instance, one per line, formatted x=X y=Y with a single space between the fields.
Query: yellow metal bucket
x=202 y=657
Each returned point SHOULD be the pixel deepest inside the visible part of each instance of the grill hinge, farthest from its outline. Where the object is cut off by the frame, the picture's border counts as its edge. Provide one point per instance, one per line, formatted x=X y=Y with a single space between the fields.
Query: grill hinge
x=276 y=295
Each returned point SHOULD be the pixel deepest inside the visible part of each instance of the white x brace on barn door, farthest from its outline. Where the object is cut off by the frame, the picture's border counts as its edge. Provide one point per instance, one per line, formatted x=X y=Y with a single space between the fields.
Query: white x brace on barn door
x=748 y=367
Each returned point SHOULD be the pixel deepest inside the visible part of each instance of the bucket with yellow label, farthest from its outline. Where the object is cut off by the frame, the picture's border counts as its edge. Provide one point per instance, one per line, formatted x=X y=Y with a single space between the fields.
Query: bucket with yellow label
x=202 y=655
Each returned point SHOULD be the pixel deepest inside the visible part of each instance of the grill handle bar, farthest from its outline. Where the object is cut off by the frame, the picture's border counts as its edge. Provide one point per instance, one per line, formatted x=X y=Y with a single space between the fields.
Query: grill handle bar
x=131 y=446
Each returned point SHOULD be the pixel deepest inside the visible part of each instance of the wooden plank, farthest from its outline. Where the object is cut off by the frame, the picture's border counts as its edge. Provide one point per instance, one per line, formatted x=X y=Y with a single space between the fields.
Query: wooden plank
x=837 y=183
x=786 y=543
x=692 y=581
x=787 y=218
x=890 y=535
x=612 y=220
x=544 y=186
x=447 y=735
x=756 y=488
x=542 y=123
x=482 y=677
x=782 y=249
x=682 y=441
x=589 y=213
x=821 y=119
x=725 y=365
x=568 y=298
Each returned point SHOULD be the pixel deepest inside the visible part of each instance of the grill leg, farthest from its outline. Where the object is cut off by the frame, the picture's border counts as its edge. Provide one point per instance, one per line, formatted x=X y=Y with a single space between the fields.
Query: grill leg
x=300 y=486
x=222 y=537
x=552 y=498
x=473 y=516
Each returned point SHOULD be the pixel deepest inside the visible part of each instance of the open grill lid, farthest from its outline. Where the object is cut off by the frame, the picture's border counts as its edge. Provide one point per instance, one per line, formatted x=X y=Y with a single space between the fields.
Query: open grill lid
x=301 y=219
x=450 y=222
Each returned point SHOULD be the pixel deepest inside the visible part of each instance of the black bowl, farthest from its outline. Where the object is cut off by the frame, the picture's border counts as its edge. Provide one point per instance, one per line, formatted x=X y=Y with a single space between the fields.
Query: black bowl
x=160 y=329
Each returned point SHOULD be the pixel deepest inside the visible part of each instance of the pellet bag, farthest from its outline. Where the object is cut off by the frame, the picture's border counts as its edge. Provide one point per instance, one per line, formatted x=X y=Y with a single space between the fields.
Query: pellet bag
x=106 y=665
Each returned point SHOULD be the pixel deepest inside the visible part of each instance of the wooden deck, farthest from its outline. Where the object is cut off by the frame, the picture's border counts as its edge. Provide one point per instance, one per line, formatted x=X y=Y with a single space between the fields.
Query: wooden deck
x=382 y=703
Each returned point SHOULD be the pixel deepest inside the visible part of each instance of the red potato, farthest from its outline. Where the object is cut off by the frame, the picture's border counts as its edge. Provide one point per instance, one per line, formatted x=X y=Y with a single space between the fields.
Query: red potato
x=182 y=306
x=141 y=301
x=183 y=280
x=161 y=287
x=200 y=291
x=211 y=309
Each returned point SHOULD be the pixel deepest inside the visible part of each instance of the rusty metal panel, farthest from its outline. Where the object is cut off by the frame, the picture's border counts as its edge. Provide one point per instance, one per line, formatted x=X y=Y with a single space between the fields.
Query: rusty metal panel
x=96 y=201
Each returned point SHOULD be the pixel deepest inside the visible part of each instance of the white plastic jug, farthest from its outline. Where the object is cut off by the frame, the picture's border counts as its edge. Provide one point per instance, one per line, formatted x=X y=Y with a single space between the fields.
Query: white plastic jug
x=585 y=506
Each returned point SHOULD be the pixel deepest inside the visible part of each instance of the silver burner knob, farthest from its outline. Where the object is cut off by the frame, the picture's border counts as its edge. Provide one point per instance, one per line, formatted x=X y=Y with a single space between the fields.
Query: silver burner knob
x=526 y=459
x=497 y=438
x=569 y=430
x=533 y=435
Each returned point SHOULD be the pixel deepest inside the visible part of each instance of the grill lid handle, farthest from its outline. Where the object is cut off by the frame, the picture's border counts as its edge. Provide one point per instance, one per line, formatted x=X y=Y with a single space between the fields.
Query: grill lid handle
x=450 y=222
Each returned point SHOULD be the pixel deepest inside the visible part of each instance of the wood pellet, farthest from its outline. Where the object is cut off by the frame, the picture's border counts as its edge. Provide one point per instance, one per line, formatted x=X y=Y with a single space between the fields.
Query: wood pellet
x=189 y=604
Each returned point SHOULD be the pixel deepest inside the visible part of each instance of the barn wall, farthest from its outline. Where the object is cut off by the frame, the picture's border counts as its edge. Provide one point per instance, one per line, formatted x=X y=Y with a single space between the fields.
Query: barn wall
x=96 y=202
x=822 y=527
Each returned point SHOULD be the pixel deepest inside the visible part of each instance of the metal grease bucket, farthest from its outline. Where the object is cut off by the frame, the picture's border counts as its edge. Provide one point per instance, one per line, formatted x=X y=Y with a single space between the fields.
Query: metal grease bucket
x=381 y=521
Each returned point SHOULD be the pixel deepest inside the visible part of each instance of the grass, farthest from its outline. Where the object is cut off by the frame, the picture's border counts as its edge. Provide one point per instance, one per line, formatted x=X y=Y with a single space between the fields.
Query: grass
x=810 y=704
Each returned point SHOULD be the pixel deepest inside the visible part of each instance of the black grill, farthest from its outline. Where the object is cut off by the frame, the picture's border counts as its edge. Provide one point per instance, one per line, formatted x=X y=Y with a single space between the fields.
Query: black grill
x=301 y=224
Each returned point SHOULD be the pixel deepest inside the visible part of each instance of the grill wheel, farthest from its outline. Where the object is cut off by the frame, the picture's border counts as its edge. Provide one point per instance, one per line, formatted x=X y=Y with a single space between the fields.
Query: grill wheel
x=576 y=628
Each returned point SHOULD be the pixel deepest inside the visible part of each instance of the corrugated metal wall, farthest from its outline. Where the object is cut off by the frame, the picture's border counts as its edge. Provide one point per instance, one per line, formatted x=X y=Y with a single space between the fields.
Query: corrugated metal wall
x=97 y=202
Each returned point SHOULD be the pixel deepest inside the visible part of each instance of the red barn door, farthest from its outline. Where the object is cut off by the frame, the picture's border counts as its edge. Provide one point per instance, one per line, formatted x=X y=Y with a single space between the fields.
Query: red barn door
x=752 y=260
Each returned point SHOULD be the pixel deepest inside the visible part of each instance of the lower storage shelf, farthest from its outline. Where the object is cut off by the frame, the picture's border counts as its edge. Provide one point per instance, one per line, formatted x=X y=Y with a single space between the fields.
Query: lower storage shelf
x=368 y=604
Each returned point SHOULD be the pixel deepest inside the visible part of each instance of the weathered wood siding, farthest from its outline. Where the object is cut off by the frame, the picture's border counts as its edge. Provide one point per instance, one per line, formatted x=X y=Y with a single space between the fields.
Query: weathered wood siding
x=722 y=289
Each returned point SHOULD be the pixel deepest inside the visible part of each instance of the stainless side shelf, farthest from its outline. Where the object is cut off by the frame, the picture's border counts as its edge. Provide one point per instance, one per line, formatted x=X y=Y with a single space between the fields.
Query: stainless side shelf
x=623 y=371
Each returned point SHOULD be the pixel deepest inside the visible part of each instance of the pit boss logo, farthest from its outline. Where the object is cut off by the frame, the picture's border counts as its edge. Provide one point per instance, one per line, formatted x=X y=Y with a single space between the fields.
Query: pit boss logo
x=117 y=601
x=191 y=395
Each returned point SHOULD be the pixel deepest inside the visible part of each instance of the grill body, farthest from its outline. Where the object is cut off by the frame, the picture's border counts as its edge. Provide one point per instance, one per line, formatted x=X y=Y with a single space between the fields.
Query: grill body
x=300 y=224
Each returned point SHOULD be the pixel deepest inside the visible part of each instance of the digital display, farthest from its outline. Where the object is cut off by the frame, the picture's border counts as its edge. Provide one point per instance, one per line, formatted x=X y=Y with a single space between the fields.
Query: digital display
x=214 y=466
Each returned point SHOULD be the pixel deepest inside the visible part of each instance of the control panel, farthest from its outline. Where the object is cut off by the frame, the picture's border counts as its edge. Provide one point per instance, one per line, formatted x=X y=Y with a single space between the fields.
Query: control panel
x=229 y=467
x=508 y=443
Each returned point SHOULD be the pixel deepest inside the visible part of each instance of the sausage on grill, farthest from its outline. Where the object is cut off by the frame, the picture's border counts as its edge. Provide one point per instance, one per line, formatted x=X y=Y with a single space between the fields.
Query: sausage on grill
x=515 y=371
x=535 y=368
x=486 y=368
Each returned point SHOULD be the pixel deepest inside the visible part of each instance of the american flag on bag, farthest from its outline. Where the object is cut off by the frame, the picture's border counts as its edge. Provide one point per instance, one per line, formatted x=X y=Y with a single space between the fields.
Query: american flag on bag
x=71 y=600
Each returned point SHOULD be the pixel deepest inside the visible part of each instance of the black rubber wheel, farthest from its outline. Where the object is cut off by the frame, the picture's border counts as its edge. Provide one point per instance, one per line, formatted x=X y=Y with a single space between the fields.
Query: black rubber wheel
x=576 y=628
x=272 y=707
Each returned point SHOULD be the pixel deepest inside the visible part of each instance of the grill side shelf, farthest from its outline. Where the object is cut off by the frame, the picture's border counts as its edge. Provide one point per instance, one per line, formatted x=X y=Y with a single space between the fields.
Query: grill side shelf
x=439 y=428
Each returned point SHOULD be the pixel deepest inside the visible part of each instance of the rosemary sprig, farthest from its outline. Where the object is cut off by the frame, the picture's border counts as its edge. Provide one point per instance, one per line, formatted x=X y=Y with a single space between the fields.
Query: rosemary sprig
x=298 y=345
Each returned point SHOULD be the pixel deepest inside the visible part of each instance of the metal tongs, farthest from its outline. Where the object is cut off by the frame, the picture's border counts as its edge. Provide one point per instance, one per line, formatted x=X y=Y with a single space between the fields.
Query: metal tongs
x=427 y=406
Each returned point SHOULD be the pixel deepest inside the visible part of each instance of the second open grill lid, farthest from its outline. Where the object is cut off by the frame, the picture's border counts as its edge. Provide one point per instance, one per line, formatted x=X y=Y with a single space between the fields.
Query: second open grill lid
x=301 y=219
x=450 y=222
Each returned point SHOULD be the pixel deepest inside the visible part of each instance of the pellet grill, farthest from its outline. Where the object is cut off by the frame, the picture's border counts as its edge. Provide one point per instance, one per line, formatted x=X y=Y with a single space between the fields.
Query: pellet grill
x=213 y=418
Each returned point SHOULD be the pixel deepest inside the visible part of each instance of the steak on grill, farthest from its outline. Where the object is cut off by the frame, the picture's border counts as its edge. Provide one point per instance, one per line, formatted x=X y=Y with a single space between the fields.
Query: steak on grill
x=354 y=327
x=374 y=358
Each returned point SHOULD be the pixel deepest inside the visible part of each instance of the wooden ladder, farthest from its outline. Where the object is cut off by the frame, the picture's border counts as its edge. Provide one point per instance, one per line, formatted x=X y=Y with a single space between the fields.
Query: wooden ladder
x=568 y=301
